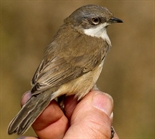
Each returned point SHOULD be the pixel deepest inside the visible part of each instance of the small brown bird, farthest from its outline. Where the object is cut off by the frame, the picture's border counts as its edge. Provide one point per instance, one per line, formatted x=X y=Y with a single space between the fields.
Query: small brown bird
x=71 y=65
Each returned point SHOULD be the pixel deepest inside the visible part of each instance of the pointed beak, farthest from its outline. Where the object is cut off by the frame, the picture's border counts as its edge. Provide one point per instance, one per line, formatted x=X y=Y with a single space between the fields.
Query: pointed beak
x=114 y=20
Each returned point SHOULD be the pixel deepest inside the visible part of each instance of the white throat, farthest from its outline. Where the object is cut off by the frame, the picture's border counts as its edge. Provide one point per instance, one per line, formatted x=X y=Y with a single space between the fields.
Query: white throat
x=99 y=32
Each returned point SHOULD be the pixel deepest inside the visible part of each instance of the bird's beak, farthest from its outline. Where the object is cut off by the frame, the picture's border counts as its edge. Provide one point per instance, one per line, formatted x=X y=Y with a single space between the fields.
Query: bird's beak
x=114 y=20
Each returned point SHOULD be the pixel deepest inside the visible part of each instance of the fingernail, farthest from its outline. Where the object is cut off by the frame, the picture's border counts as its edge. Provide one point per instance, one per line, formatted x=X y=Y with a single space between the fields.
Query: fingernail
x=112 y=115
x=103 y=102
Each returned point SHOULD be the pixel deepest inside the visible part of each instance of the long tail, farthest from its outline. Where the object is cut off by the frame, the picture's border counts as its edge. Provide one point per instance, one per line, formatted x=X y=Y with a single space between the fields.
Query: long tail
x=29 y=113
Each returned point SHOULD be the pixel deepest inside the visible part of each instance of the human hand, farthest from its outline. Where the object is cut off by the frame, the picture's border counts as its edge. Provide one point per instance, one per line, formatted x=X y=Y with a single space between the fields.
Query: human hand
x=90 y=118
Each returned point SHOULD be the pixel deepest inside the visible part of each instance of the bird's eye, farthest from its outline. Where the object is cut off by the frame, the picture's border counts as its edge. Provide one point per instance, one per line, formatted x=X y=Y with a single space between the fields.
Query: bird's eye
x=96 y=21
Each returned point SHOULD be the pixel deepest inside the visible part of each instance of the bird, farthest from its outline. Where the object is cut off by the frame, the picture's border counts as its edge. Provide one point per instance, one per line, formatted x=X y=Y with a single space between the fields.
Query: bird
x=71 y=64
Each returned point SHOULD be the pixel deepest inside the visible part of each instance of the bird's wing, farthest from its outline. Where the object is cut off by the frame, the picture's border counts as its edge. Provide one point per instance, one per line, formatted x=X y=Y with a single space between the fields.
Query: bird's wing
x=66 y=60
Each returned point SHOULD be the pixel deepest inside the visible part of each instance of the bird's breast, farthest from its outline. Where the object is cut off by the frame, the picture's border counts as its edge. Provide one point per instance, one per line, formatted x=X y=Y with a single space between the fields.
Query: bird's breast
x=82 y=85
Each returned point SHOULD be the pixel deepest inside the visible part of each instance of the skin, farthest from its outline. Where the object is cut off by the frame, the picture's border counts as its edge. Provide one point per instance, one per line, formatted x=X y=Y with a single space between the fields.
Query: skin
x=90 y=118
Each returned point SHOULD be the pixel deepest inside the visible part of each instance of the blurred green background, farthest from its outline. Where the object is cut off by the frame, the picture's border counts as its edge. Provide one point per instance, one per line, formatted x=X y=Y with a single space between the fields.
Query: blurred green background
x=27 y=27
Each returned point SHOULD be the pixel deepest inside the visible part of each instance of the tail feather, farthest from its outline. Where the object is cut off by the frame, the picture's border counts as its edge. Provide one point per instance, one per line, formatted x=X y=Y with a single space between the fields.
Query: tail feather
x=29 y=113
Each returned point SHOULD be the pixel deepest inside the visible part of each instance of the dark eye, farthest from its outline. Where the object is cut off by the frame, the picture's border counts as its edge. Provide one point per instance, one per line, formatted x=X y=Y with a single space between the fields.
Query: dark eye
x=96 y=21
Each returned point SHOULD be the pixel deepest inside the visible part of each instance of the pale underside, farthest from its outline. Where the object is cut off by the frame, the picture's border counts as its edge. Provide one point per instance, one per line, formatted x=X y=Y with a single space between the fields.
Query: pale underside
x=82 y=85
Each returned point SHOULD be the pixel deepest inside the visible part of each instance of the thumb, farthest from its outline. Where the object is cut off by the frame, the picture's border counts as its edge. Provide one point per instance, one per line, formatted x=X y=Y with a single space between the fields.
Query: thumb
x=91 y=117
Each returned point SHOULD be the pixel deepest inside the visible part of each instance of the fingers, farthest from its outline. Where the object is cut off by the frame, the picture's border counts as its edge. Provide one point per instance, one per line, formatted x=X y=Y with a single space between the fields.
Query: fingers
x=52 y=123
x=92 y=117
x=70 y=103
x=89 y=118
